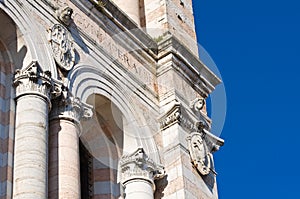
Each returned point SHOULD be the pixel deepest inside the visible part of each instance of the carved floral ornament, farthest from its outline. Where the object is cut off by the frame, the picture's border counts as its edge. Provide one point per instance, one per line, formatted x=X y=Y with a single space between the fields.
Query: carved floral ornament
x=139 y=165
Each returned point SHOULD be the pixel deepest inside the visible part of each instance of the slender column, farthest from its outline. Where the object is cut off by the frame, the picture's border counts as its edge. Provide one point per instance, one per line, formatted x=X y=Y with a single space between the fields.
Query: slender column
x=138 y=175
x=31 y=133
x=64 y=162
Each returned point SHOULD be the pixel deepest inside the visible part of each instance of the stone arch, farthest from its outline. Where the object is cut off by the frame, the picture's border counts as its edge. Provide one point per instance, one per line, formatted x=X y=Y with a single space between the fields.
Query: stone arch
x=8 y=54
x=116 y=128
x=31 y=42
x=86 y=80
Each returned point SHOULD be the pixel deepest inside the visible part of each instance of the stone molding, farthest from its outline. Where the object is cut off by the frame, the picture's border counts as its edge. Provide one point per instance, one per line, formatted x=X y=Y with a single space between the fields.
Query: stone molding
x=138 y=165
x=33 y=81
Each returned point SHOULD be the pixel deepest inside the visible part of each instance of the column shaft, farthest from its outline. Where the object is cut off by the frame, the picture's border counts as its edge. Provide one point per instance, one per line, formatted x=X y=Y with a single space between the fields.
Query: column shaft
x=138 y=188
x=31 y=140
x=64 y=168
x=138 y=173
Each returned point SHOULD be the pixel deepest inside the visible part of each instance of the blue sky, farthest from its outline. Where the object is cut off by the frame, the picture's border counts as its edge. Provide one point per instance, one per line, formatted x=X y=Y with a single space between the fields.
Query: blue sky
x=256 y=46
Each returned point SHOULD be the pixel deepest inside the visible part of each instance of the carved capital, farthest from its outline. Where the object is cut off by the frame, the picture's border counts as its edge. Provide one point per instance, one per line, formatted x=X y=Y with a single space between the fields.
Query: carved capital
x=70 y=108
x=33 y=81
x=139 y=166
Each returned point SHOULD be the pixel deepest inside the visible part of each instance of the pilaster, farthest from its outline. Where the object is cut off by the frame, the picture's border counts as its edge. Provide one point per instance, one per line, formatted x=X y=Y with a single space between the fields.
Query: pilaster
x=188 y=150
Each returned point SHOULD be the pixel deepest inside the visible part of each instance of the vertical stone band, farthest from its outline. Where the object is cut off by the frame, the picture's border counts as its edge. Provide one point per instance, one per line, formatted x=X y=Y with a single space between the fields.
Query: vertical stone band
x=138 y=173
x=131 y=8
x=65 y=128
x=31 y=134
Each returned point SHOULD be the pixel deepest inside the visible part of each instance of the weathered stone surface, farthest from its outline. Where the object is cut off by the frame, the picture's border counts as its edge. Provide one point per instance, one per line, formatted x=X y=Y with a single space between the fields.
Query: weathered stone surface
x=134 y=63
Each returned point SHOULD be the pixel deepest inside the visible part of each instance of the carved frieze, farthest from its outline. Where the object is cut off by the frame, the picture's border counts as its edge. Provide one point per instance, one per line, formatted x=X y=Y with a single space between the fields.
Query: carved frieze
x=62 y=46
x=178 y=114
x=139 y=165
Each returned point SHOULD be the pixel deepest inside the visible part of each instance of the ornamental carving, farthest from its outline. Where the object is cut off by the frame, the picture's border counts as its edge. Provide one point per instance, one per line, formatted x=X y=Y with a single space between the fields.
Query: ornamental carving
x=70 y=108
x=197 y=104
x=32 y=80
x=62 y=46
x=65 y=15
x=201 y=145
x=139 y=165
x=200 y=155
x=186 y=119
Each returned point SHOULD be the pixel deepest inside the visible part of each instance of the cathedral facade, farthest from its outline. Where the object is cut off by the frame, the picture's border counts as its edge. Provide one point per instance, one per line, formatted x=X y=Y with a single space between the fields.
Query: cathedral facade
x=104 y=99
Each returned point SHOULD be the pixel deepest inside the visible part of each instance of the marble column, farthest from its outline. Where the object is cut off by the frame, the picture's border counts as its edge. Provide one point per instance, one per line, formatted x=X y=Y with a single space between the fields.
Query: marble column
x=138 y=173
x=31 y=134
x=64 y=162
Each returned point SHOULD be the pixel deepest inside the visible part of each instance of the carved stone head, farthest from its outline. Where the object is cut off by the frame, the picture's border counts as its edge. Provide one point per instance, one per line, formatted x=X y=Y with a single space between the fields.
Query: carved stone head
x=65 y=15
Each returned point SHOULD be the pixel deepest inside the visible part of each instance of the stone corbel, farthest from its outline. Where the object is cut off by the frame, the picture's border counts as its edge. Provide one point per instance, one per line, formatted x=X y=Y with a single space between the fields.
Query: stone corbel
x=32 y=80
x=56 y=90
x=138 y=165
